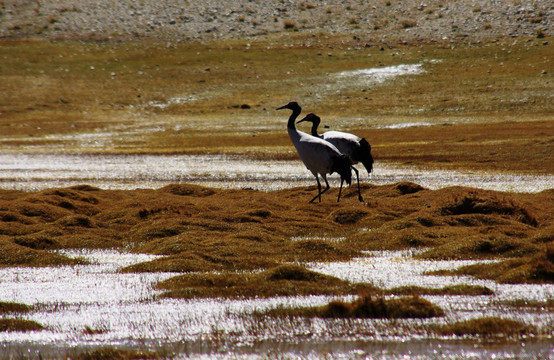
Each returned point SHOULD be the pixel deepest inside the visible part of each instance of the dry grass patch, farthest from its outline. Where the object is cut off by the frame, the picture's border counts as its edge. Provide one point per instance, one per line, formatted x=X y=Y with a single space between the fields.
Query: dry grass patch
x=205 y=230
x=12 y=254
x=537 y=269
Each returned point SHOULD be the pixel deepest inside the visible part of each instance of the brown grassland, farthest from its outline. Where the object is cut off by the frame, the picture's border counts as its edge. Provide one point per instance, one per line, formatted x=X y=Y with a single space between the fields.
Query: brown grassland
x=490 y=101
x=488 y=104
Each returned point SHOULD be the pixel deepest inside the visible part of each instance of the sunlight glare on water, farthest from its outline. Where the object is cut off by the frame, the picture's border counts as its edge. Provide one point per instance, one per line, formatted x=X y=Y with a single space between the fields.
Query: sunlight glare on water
x=390 y=269
x=41 y=171
x=124 y=310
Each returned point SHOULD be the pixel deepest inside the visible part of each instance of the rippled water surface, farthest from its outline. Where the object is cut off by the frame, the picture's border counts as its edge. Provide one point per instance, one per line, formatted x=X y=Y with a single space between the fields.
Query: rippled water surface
x=95 y=305
x=40 y=171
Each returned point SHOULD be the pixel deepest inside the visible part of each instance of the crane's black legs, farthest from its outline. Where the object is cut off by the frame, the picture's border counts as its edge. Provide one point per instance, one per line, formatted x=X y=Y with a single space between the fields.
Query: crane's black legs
x=319 y=192
x=327 y=187
x=358 y=179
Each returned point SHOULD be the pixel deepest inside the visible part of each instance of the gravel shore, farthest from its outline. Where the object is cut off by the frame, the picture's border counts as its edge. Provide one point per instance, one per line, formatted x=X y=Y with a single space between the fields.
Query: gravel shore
x=182 y=20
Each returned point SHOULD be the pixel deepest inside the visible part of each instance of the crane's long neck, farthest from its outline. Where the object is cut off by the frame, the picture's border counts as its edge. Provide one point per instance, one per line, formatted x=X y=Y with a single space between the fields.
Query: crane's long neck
x=292 y=118
x=315 y=124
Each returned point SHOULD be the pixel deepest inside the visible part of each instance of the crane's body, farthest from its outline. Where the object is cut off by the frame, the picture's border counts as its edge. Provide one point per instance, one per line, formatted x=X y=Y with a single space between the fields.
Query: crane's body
x=358 y=149
x=318 y=155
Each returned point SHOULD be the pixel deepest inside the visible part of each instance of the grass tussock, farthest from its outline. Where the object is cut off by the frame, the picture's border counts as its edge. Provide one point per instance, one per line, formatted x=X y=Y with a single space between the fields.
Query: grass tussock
x=486 y=327
x=490 y=205
x=367 y=306
x=463 y=289
x=537 y=269
x=284 y=280
x=11 y=307
x=12 y=254
x=19 y=325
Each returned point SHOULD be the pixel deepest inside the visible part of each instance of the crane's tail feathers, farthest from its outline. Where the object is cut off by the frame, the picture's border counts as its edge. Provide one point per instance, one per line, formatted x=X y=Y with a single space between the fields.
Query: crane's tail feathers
x=342 y=166
x=364 y=155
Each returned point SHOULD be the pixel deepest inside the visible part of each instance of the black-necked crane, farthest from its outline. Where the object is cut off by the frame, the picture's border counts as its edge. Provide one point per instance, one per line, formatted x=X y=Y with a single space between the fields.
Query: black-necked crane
x=319 y=156
x=357 y=148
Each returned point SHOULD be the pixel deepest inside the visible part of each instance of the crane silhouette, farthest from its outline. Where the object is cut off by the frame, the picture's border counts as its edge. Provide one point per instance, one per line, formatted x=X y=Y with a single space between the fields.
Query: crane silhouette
x=318 y=155
x=357 y=149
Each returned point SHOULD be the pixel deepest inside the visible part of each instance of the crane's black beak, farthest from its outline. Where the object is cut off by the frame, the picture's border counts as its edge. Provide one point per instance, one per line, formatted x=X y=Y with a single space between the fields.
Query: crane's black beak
x=302 y=120
x=283 y=107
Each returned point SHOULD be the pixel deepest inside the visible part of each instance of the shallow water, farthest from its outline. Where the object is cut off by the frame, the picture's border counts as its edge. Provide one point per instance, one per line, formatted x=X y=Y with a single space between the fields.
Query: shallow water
x=123 y=311
x=41 y=171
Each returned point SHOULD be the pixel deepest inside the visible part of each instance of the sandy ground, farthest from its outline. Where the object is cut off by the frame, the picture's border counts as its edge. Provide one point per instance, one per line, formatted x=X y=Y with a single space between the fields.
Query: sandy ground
x=173 y=20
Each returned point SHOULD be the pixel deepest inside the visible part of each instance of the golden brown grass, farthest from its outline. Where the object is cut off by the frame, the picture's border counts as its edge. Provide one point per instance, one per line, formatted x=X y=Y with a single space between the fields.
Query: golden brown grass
x=50 y=89
x=463 y=289
x=534 y=269
x=205 y=230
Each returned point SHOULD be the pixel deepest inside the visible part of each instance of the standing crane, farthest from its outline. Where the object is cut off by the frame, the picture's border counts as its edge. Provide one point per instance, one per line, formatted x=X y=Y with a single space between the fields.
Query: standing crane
x=318 y=155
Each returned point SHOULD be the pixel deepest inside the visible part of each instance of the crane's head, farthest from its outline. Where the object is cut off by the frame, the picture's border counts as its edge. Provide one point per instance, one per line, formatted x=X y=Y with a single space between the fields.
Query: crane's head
x=293 y=105
x=311 y=117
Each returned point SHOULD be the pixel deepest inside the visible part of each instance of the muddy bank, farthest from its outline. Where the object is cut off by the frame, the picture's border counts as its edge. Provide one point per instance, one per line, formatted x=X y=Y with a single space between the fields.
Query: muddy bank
x=208 y=229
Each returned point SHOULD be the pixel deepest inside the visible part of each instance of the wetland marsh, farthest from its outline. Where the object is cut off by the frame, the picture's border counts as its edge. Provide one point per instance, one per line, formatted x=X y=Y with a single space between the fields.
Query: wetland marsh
x=152 y=205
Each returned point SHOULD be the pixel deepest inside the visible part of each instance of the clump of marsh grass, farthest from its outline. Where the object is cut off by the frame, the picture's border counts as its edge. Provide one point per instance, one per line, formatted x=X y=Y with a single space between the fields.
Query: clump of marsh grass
x=19 y=325
x=12 y=254
x=283 y=280
x=462 y=289
x=536 y=269
x=11 y=307
x=367 y=306
x=486 y=327
x=476 y=204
